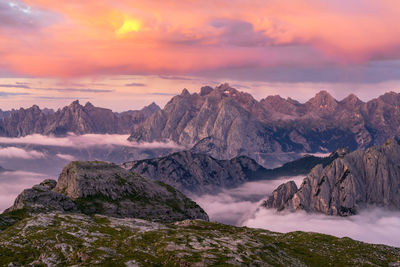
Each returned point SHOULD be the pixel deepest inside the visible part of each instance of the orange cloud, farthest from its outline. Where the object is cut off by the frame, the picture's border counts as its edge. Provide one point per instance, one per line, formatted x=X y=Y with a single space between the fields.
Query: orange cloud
x=104 y=36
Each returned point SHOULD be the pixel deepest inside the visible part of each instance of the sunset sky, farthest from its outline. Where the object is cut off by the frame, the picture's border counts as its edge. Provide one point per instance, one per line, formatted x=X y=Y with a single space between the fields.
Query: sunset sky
x=125 y=54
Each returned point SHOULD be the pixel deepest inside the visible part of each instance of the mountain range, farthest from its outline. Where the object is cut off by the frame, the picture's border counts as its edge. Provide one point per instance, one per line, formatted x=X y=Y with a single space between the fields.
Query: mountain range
x=350 y=183
x=74 y=118
x=194 y=173
x=225 y=123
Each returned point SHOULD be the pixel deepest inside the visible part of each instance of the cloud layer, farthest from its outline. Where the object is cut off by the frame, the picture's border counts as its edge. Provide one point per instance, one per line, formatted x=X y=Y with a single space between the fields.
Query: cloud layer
x=13 y=183
x=241 y=207
x=372 y=226
x=15 y=152
x=84 y=141
x=85 y=38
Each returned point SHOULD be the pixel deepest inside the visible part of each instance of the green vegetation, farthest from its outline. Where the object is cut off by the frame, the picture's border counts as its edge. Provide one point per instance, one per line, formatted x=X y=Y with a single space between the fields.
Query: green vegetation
x=77 y=239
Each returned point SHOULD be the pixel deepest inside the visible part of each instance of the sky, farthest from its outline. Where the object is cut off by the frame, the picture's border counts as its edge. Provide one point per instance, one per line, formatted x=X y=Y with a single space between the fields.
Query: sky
x=125 y=54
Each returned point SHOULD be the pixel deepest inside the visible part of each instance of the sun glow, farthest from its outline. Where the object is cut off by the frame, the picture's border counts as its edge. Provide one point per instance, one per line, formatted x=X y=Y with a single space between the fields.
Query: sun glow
x=129 y=25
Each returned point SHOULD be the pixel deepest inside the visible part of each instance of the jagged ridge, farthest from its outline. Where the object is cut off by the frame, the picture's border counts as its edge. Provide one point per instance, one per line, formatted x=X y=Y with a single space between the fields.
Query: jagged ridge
x=347 y=185
x=196 y=173
x=226 y=123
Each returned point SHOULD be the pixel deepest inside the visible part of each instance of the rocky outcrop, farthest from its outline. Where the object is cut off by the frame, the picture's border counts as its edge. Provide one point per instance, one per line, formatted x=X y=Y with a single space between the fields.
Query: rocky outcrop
x=281 y=195
x=347 y=185
x=196 y=173
x=41 y=197
x=74 y=118
x=105 y=188
x=226 y=123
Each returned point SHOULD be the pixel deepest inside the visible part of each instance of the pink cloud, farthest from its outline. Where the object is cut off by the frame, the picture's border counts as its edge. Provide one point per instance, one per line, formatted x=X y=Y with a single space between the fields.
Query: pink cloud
x=82 y=38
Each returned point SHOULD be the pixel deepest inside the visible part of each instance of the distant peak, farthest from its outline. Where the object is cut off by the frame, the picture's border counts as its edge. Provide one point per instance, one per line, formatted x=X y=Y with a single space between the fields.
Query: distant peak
x=323 y=94
x=351 y=98
x=185 y=92
x=223 y=87
x=88 y=105
x=205 y=90
x=323 y=100
x=76 y=102
x=152 y=107
x=274 y=98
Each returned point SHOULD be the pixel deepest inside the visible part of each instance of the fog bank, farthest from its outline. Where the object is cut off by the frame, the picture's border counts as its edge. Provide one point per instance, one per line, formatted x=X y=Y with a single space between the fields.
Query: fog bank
x=374 y=225
x=241 y=207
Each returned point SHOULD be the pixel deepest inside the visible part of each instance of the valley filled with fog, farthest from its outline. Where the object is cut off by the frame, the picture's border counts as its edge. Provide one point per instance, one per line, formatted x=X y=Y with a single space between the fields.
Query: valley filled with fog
x=29 y=160
x=241 y=207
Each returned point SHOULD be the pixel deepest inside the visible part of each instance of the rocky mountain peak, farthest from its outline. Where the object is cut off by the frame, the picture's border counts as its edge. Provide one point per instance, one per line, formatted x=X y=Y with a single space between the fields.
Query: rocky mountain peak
x=205 y=90
x=89 y=105
x=153 y=107
x=105 y=188
x=322 y=102
x=350 y=183
x=391 y=98
x=351 y=98
x=323 y=98
x=185 y=92
x=75 y=103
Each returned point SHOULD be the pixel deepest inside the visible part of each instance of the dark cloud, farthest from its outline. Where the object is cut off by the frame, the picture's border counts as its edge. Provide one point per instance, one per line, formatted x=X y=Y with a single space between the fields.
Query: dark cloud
x=16 y=14
x=17 y=85
x=163 y=94
x=239 y=33
x=182 y=78
x=8 y=94
x=82 y=90
x=60 y=98
x=135 y=84
x=374 y=72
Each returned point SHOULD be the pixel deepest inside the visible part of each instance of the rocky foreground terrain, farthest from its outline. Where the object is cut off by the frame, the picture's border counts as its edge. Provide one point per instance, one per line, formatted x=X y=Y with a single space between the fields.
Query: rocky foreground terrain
x=69 y=239
x=351 y=182
x=99 y=214
x=194 y=173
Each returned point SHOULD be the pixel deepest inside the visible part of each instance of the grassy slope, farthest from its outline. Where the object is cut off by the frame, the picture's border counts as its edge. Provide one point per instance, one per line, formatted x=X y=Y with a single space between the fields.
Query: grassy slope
x=68 y=239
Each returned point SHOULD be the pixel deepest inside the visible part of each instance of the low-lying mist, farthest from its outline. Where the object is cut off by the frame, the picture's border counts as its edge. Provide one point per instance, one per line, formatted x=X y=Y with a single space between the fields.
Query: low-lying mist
x=234 y=206
x=12 y=183
x=374 y=225
x=83 y=141
x=34 y=158
x=241 y=207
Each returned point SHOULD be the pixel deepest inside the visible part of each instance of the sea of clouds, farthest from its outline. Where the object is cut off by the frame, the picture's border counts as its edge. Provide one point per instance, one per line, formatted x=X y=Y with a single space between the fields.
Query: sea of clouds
x=33 y=158
x=13 y=182
x=241 y=207
x=83 y=141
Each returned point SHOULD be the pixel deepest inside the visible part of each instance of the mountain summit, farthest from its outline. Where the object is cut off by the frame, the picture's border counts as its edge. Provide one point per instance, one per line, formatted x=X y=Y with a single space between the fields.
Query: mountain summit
x=349 y=184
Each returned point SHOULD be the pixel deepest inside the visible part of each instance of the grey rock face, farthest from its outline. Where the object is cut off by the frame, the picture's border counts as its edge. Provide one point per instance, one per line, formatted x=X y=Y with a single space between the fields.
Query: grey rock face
x=281 y=195
x=41 y=198
x=350 y=183
x=74 y=118
x=225 y=123
x=105 y=188
x=196 y=173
